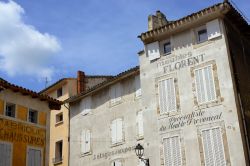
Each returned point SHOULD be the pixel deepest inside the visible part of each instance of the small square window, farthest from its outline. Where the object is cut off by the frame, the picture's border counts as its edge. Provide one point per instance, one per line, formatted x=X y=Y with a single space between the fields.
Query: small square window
x=10 y=110
x=167 y=48
x=59 y=92
x=202 y=35
x=33 y=114
x=59 y=117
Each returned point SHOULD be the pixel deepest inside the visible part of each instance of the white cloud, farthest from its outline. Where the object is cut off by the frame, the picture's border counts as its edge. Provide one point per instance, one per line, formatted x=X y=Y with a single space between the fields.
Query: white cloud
x=23 y=49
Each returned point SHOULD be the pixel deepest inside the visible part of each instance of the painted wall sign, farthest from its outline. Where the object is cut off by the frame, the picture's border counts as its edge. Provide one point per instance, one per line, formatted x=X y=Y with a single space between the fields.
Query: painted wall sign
x=105 y=155
x=180 y=61
x=19 y=132
x=194 y=118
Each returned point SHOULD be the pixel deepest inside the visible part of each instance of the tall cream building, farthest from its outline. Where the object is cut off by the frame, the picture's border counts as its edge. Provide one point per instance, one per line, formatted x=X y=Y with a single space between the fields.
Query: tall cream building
x=59 y=119
x=187 y=103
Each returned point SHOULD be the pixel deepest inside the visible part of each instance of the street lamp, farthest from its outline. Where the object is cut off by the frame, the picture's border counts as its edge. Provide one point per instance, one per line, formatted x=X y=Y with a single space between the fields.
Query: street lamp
x=139 y=151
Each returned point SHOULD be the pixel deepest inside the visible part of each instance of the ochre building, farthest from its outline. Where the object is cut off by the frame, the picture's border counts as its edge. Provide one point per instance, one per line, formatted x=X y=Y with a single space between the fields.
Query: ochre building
x=24 y=126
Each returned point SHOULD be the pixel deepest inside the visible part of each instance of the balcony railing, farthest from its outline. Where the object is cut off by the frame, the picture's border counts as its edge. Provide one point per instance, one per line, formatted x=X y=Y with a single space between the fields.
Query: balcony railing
x=57 y=160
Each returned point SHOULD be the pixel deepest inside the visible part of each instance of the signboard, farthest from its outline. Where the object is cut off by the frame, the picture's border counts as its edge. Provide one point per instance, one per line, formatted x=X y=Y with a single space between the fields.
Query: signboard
x=12 y=131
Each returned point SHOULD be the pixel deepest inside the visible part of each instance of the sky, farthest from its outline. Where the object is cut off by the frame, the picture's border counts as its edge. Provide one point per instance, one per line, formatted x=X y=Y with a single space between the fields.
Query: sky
x=53 y=39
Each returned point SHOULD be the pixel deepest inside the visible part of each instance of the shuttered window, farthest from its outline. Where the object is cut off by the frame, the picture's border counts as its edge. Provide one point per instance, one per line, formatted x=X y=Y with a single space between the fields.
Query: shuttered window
x=172 y=151
x=5 y=154
x=117 y=163
x=137 y=86
x=85 y=105
x=213 y=147
x=139 y=121
x=117 y=131
x=167 y=95
x=115 y=93
x=34 y=157
x=205 y=87
x=85 y=141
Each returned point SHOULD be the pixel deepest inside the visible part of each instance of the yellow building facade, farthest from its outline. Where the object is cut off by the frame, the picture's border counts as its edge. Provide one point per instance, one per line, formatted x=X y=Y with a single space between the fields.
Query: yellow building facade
x=24 y=126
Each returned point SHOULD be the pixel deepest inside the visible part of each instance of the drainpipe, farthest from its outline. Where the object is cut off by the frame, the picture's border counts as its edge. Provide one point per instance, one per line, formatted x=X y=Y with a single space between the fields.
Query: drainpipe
x=68 y=108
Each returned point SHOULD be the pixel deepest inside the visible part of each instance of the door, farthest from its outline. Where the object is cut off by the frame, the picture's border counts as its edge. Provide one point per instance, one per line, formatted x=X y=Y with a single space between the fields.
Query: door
x=5 y=154
x=34 y=157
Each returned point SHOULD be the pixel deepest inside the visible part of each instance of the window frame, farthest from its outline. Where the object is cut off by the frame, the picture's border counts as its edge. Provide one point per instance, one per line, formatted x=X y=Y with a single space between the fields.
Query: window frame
x=59 y=92
x=61 y=121
x=15 y=109
x=199 y=29
x=55 y=155
x=90 y=142
x=168 y=42
x=28 y=116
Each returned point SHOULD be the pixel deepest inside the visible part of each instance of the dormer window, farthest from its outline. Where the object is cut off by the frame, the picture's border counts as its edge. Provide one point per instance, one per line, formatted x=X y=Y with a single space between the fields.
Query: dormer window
x=167 y=48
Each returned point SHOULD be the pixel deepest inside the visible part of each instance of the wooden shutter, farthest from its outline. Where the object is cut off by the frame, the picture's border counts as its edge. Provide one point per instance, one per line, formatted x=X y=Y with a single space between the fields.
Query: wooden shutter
x=213 y=29
x=172 y=151
x=140 y=123
x=119 y=130
x=118 y=163
x=153 y=50
x=113 y=132
x=85 y=141
x=5 y=154
x=137 y=86
x=205 y=87
x=213 y=147
x=167 y=95
x=85 y=105
x=34 y=157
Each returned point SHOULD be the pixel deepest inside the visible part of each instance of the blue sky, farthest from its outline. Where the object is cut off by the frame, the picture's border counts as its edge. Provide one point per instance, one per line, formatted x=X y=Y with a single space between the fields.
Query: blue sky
x=95 y=36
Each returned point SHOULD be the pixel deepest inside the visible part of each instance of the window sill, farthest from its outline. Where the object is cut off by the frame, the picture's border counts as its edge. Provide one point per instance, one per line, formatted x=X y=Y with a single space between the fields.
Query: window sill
x=59 y=123
x=115 y=104
x=208 y=104
x=169 y=114
x=117 y=144
x=198 y=45
x=86 y=154
x=139 y=138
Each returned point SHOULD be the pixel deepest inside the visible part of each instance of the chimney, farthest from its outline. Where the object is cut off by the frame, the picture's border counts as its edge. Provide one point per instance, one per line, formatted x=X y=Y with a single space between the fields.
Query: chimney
x=80 y=82
x=156 y=21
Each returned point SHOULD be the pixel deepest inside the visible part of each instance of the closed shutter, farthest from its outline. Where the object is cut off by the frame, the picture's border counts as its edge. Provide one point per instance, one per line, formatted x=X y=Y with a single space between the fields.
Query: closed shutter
x=213 y=147
x=205 y=87
x=85 y=141
x=153 y=50
x=213 y=29
x=113 y=132
x=137 y=86
x=115 y=93
x=119 y=131
x=5 y=154
x=172 y=151
x=167 y=95
x=85 y=105
x=34 y=157
x=140 y=123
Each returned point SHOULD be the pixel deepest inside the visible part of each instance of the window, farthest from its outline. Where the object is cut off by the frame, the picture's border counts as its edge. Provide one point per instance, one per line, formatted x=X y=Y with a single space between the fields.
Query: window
x=172 y=151
x=202 y=35
x=137 y=86
x=59 y=117
x=167 y=95
x=115 y=93
x=10 y=110
x=5 y=154
x=204 y=84
x=33 y=114
x=59 y=92
x=85 y=105
x=117 y=131
x=167 y=48
x=213 y=146
x=139 y=122
x=34 y=157
x=85 y=141
x=58 y=152
x=116 y=163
